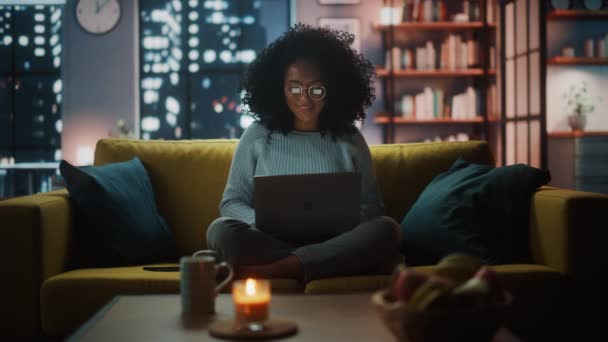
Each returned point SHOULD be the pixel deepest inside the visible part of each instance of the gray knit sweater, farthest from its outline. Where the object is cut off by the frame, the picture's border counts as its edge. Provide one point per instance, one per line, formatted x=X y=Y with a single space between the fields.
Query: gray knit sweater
x=296 y=153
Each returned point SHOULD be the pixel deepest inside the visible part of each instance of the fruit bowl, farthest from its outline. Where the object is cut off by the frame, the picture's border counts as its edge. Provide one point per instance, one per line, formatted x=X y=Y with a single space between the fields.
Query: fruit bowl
x=449 y=323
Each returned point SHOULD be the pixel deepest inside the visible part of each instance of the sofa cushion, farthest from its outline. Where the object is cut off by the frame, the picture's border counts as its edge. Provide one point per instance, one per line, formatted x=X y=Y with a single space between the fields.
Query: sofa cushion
x=118 y=223
x=475 y=209
x=188 y=177
x=68 y=299
x=404 y=170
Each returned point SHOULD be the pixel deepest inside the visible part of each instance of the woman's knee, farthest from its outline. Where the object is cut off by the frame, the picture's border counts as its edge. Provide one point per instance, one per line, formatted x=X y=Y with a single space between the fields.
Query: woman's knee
x=390 y=226
x=219 y=231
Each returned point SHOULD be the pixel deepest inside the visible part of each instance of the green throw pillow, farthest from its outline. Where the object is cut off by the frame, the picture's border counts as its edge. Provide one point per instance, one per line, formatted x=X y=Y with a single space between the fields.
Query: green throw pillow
x=472 y=208
x=117 y=220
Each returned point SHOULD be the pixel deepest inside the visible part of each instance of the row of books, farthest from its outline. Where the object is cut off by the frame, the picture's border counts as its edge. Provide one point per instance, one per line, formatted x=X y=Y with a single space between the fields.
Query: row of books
x=435 y=10
x=454 y=53
x=452 y=137
x=433 y=104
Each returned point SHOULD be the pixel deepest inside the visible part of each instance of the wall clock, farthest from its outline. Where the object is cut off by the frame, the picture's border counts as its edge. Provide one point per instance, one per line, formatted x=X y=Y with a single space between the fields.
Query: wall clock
x=98 y=16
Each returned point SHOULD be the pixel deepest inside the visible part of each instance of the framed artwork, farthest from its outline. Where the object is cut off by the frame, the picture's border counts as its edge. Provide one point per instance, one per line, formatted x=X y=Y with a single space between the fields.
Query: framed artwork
x=350 y=25
x=338 y=2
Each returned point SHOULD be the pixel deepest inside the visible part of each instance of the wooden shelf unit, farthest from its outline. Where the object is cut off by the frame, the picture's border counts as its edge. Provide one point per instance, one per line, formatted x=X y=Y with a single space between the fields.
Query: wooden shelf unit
x=384 y=118
x=434 y=25
x=559 y=60
x=451 y=81
x=577 y=15
x=382 y=72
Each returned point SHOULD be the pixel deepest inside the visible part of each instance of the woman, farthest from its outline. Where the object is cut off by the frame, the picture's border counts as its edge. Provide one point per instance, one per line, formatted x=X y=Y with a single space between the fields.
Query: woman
x=305 y=90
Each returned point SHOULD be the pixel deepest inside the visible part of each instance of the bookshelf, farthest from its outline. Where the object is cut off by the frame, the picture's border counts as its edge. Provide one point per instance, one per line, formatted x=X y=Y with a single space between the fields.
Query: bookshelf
x=446 y=51
x=568 y=151
x=384 y=119
x=560 y=60
x=383 y=72
x=577 y=14
x=443 y=25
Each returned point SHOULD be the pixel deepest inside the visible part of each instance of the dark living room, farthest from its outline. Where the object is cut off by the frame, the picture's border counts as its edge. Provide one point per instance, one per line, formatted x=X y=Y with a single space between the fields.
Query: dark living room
x=307 y=170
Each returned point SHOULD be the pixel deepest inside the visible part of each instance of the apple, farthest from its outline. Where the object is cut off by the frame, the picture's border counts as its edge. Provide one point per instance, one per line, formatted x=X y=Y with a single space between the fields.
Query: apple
x=406 y=283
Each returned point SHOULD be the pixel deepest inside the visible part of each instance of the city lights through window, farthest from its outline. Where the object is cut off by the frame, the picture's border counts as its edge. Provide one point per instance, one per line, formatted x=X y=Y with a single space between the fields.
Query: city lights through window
x=193 y=54
x=30 y=81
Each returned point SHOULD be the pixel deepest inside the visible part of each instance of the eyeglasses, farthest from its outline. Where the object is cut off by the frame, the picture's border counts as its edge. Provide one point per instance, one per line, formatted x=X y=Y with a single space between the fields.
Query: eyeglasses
x=315 y=92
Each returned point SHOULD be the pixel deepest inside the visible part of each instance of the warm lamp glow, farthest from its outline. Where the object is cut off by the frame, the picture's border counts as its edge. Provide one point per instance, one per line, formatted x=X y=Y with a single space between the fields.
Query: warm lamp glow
x=84 y=155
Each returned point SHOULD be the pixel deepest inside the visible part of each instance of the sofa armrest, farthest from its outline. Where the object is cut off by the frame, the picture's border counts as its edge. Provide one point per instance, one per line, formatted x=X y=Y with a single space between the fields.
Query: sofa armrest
x=568 y=231
x=36 y=235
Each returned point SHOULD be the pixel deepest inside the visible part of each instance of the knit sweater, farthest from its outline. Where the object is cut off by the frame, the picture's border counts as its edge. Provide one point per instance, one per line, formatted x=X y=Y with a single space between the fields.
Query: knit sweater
x=298 y=152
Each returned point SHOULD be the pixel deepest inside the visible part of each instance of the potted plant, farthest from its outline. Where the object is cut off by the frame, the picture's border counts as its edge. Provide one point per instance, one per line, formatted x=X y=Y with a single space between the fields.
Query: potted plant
x=578 y=105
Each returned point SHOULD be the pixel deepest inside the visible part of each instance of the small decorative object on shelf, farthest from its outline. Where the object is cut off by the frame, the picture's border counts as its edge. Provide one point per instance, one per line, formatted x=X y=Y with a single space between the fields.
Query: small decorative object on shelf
x=578 y=106
x=589 y=48
x=568 y=51
x=594 y=5
x=121 y=130
x=561 y=4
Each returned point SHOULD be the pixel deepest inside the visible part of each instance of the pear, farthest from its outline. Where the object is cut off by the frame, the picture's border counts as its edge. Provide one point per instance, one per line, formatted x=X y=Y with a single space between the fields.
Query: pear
x=458 y=267
x=474 y=293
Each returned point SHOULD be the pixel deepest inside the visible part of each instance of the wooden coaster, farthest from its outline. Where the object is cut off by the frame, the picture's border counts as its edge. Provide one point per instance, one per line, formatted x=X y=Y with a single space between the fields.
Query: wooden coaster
x=272 y=329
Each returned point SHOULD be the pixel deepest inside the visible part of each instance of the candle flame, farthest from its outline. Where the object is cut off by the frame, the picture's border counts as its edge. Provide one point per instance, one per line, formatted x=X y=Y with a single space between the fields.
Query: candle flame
x=250 y=287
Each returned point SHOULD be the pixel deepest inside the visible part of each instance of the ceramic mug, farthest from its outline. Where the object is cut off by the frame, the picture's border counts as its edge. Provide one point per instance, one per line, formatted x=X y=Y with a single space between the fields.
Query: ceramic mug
x=198 y=286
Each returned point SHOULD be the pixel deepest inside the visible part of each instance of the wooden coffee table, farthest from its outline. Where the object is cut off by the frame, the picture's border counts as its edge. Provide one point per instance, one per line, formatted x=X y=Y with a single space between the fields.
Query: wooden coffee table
x=343 y=317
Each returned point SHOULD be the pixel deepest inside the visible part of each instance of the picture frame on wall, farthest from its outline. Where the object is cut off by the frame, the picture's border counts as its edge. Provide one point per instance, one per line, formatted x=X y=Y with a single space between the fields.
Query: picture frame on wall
x=339 y=2
x=350 y=25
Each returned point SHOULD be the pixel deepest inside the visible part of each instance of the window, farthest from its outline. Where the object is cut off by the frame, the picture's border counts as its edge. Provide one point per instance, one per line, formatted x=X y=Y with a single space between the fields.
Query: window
x=30 y=81
x=193 y=54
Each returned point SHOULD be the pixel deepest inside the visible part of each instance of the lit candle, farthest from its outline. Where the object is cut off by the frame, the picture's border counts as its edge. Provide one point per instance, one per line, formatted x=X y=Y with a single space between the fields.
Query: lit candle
x=251 y=300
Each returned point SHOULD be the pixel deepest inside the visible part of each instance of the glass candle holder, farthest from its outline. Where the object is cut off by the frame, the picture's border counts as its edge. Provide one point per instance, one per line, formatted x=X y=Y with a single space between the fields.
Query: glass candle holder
x=251 y=302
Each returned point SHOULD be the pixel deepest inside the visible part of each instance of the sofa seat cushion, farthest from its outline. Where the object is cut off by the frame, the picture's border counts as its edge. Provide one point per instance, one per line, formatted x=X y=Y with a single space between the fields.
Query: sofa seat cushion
x=68 y=299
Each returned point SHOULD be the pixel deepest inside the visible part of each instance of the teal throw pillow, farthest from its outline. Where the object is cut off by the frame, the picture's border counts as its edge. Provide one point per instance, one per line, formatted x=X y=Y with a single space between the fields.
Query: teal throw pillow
x=117 y=221
x=472 y=208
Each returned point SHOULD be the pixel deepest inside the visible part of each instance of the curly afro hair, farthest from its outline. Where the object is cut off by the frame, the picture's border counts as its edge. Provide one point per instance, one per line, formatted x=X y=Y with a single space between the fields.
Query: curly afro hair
x=348 y=78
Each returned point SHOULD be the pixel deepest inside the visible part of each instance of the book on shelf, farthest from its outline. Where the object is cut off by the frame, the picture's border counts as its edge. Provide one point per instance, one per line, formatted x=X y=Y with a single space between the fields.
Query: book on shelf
x=426 y=105
x=453 y=54
x=424 y=11
x=435 y=11
x=470 y=12
x=492 y=57
x=492 y=101
x=490 y=11
x=465 y=105
x=458 y=54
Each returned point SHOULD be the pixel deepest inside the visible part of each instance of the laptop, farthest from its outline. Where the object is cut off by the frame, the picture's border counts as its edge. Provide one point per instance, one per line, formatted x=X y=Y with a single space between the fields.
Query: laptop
x=307 y=207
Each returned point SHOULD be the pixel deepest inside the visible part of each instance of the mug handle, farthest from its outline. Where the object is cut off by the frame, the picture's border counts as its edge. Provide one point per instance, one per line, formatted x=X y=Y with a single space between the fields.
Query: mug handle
x=228 y=279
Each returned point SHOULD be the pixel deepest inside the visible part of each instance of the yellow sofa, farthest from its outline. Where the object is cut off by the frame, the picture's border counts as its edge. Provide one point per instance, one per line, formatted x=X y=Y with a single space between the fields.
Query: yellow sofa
x=42 y=297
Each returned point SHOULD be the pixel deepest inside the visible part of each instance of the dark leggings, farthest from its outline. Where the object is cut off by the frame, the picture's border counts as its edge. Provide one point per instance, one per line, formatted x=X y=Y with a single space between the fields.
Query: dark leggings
x=365 y=248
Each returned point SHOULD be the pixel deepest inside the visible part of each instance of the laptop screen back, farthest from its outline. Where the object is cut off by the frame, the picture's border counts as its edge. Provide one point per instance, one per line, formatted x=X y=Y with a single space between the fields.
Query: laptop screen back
x=307 y=207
